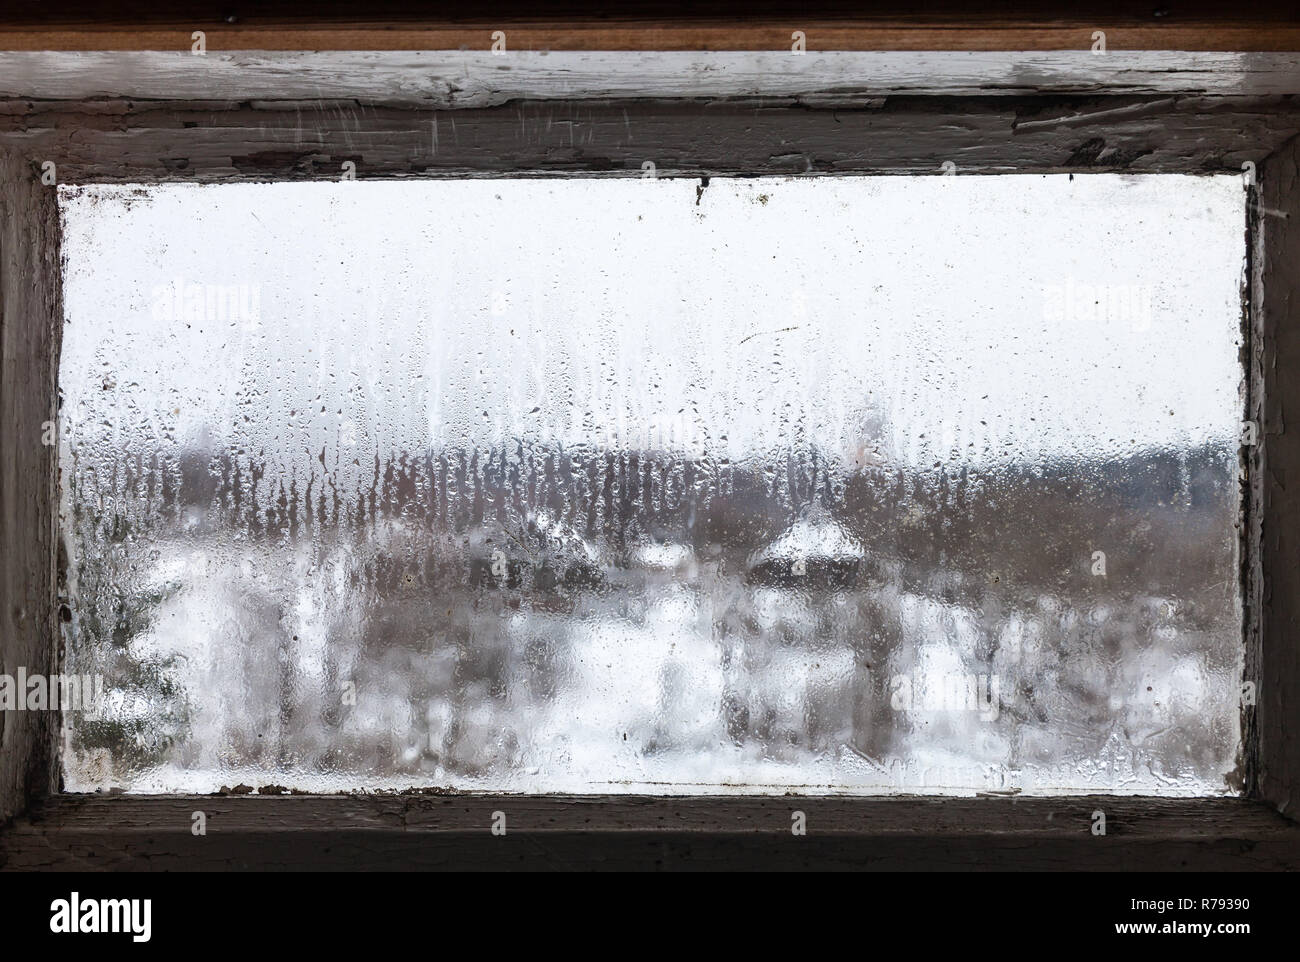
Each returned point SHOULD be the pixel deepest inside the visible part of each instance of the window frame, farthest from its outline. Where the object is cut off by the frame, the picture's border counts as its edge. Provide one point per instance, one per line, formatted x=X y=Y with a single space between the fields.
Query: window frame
x=152 y=117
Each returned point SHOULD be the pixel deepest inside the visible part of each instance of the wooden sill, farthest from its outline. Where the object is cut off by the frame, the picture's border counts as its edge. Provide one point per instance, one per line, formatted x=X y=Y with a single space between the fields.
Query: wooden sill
x=424 y=832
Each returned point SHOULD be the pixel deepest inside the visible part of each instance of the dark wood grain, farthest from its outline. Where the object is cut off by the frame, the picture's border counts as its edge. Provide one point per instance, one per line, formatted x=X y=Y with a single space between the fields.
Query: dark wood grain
x=1278 y=695
x=636 y=832
x=30 y=331
x=131 y=141
x=642 y=25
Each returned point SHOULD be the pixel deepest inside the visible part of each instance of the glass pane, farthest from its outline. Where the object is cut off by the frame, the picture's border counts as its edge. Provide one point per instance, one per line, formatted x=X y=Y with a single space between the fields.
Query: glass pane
x=854 y=485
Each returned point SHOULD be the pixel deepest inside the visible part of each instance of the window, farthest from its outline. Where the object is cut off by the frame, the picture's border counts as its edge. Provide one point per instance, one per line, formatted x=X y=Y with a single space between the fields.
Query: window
x=1146 y=130
x=828 y=485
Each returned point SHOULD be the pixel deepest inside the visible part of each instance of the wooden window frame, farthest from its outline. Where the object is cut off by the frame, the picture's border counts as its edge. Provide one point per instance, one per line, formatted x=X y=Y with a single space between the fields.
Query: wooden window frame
x=151 y=117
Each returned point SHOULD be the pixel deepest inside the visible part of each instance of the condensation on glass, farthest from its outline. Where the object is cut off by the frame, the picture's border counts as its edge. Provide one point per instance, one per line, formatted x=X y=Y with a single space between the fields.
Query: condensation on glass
x=860 y=485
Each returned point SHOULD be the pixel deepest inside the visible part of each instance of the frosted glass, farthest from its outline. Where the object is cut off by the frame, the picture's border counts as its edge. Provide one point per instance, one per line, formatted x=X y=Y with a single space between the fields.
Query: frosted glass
x=858 y=485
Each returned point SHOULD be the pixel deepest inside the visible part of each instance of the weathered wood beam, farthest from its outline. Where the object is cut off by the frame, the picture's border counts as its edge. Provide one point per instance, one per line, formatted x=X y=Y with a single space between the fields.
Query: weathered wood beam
x=30 y=332
x=1277 y=291
x=386 y=832
x=127 y=141
x=748 y=31
x=472 y=79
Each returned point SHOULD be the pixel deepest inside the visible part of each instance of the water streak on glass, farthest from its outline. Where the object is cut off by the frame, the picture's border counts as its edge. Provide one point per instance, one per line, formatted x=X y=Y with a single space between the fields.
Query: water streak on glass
x=858 y=485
